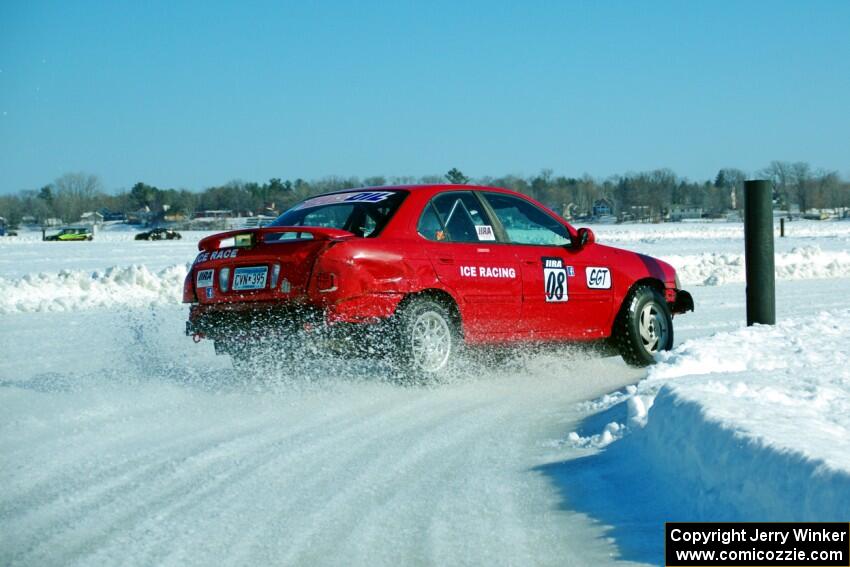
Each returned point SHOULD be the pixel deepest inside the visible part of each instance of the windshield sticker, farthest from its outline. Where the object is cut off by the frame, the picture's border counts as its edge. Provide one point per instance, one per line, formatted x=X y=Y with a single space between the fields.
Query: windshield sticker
x=598 y=278
x=360 y=197
x=555 y=280
x=485 y=232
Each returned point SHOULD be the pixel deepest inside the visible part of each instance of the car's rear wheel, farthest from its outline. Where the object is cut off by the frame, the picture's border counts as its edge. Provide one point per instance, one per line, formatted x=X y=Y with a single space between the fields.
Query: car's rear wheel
x=427 y=338
x=643 y=327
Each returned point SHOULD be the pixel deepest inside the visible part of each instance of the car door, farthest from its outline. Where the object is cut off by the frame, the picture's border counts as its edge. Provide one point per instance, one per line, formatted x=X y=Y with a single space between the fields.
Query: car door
x=559 y=298
x=467 y=257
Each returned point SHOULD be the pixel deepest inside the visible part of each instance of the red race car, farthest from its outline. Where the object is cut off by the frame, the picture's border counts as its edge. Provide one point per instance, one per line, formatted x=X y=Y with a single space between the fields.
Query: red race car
x=415 y=273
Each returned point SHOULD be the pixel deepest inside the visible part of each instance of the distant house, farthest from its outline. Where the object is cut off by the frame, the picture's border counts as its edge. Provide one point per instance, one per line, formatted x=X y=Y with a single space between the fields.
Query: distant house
x=111 y=216
x=602 y=208
x=638 y=213
x=682 y=212
x=92 y=218
x=213 y=214
x=256 y=221
x=141 y=216
x=174 y=216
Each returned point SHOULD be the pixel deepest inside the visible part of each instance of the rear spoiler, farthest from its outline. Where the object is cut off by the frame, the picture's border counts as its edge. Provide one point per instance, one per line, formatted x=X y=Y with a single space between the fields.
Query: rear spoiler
x=257 y=235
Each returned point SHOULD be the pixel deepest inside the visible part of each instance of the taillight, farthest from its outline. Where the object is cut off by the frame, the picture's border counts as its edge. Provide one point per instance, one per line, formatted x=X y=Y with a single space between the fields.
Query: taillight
x=325 y=282
x=275 y=275
x=189 y=295
x=224 y=279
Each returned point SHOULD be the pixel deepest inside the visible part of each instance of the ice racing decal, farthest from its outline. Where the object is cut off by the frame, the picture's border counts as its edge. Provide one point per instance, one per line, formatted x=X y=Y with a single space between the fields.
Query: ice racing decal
x=485 y=232
x=555 y=280
x=205 y=278
x=209 y=293
x=598 y=278
x=217 y=255
x=487 y=272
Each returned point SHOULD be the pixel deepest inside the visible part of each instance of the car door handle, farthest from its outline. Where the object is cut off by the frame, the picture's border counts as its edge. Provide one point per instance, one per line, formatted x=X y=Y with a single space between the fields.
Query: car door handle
x=531 y=262
x=446 y=260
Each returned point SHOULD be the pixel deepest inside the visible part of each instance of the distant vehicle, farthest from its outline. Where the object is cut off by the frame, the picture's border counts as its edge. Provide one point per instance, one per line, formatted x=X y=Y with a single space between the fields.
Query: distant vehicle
x=159 y=234
x=430 y=269
x=71 y=233
x=3 y=231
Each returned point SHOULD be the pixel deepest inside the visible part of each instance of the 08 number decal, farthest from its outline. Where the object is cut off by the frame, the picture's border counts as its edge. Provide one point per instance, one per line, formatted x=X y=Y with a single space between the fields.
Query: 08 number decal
x=555 y=280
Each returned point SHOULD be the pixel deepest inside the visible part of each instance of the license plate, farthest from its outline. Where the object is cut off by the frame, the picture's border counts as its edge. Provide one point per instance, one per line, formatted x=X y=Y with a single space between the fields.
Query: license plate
x=205 y=278
x=250 y=278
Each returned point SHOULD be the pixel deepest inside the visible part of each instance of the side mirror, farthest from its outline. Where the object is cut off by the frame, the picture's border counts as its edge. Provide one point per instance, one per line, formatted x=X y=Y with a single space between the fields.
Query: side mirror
x=585 y=236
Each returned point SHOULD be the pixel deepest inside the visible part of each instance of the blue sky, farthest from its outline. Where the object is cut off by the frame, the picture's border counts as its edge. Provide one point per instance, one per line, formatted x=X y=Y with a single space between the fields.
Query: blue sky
x=191 y=94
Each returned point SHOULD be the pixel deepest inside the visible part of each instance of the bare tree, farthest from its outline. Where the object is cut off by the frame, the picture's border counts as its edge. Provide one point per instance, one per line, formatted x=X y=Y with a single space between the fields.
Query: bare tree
x=74 y=194
x=781 y=174
x=802 y=181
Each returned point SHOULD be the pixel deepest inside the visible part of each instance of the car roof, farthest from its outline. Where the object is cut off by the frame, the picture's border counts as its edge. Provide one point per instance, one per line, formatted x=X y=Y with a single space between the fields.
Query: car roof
x=428 y=187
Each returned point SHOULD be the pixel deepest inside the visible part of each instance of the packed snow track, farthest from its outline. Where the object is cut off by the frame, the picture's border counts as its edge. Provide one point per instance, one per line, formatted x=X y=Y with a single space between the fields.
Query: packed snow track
x=146 y=449
x=123 y=443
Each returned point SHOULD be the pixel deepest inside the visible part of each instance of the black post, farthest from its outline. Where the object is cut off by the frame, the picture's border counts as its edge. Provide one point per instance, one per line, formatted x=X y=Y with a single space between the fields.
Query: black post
x=758 y=247
x=782 y=227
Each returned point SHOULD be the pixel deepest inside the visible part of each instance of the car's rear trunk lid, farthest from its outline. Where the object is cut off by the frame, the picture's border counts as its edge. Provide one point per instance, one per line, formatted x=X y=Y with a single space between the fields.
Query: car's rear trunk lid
x=270 y=264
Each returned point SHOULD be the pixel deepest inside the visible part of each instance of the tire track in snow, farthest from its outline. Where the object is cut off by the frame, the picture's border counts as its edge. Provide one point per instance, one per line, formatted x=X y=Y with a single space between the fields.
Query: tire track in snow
x=95 y=497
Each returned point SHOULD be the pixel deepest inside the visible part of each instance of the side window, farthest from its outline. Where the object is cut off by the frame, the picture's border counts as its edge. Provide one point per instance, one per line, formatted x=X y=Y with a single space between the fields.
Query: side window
x=527 y=224
x=463 y=217
x=429 y=224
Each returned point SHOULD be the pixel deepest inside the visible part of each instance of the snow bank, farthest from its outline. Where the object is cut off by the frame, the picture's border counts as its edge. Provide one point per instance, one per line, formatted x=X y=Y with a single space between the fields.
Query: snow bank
x=706 y=230
x=805 y=262
x=130 y=286
x=753 y=423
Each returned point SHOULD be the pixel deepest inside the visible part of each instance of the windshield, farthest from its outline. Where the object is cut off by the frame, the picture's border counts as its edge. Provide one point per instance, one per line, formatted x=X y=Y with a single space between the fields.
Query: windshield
x=363 y=213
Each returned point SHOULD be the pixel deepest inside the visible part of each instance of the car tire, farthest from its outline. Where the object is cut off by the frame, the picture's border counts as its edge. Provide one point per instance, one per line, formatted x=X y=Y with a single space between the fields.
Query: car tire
x=643 y=327
x=427 y=339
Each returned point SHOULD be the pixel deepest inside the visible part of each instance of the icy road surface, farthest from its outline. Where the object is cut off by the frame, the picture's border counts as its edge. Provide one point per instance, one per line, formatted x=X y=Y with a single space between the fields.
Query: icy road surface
x=123 y=443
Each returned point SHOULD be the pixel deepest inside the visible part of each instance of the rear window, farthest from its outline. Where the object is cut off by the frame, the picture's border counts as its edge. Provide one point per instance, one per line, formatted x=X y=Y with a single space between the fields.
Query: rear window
x=363 y=213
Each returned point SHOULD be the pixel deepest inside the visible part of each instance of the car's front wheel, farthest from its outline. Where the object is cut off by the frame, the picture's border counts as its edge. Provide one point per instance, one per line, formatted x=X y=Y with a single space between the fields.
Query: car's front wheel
x=427 y=338
x=643 y=327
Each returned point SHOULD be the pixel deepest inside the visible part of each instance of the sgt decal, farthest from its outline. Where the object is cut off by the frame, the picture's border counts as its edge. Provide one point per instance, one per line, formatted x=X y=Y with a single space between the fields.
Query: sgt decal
x=598 y=278
x=555 y=280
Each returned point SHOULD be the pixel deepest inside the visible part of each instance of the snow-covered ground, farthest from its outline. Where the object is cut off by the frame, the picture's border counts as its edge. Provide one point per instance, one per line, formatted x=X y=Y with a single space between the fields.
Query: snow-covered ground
x=125 y=443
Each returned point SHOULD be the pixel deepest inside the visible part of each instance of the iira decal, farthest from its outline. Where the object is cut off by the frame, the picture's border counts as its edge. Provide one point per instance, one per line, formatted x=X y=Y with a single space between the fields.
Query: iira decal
x=487 y=272
x=485 y=232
